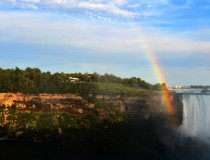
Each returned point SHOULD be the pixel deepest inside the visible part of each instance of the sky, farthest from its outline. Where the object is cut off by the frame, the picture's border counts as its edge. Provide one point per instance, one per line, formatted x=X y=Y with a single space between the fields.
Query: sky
x=109 y=36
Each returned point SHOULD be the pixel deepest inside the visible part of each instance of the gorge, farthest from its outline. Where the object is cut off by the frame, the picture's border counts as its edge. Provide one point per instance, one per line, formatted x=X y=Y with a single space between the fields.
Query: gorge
x=138 y=126
x=190 y=110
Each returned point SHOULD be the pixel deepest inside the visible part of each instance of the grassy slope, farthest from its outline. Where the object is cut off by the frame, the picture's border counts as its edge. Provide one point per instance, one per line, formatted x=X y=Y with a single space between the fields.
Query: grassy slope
x=121 y=89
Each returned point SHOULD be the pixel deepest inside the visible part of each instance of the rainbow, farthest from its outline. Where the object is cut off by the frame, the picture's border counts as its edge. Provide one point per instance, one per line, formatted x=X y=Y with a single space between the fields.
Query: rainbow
x=158 y=72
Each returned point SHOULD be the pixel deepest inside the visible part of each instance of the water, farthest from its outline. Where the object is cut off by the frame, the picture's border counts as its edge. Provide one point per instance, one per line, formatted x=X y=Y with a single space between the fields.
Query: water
x=196 y=115
x=187 y=90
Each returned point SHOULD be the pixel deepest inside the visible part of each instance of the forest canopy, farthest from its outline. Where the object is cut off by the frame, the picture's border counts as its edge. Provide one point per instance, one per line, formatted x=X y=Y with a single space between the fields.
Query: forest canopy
x=34 y=81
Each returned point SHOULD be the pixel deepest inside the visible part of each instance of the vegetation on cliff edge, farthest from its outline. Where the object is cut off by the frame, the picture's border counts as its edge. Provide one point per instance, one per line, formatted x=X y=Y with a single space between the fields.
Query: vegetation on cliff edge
x=34 y=81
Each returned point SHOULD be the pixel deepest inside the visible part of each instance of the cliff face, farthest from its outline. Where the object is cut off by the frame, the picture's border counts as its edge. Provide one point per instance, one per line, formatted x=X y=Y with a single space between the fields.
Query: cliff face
x=45 y=102
x=143 y=106
x=148 y=106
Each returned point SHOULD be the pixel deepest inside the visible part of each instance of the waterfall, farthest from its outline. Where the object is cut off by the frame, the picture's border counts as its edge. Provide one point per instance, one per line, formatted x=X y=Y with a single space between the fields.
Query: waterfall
x=196 y=115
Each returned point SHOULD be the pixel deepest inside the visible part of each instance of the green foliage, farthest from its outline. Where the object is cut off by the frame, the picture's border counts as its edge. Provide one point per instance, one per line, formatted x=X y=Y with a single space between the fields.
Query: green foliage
x=45 y=121
x=157 y=87
x=121 y=89
x=89 y=132
x=137 y=82
x=33 y=81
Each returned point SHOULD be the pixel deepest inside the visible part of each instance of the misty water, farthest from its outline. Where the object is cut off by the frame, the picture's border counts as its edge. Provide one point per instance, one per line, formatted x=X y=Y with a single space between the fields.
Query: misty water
x=196 y=116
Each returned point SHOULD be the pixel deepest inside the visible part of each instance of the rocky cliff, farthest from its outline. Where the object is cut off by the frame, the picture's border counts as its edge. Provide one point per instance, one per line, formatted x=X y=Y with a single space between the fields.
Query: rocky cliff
x=148 y=106
x=45 y=102
x=143 y=106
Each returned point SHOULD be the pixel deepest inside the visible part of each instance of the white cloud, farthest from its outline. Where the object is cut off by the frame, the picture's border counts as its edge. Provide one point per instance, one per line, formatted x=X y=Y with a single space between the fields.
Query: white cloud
x=121 y=8
x=120 y=2
x=33 y=1
x=93 y=6
x=110 y=7
x=100 y=38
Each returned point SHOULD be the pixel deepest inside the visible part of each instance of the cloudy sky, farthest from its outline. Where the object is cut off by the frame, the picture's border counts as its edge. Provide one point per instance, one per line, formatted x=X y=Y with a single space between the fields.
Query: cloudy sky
x=109 y=36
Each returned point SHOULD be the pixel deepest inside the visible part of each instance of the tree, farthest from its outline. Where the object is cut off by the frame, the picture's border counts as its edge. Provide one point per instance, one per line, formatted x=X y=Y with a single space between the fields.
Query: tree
x=94 y=77
x=157 y=87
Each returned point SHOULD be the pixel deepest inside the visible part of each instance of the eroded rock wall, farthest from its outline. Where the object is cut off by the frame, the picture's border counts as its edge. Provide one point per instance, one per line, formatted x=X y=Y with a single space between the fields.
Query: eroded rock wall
x=45 y=102
x=144 y=106
x=148 y=106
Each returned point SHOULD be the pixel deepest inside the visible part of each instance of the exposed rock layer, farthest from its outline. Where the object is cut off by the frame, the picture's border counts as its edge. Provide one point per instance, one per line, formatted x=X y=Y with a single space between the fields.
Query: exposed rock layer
x=145 y=106
x=148 y=106
x=45 y=102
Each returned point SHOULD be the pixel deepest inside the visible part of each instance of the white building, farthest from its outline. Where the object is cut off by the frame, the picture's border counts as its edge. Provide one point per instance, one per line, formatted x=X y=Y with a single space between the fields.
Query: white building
x=73 y=79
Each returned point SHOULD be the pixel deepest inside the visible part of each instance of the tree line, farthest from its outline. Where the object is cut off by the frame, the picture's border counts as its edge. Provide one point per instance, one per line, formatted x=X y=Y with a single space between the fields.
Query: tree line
x=34 y=81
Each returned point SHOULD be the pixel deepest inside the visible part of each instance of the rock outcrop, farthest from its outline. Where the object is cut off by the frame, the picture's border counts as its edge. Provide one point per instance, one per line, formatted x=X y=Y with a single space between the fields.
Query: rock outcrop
x=143 y=106
x=45 y=102
x=148 y=106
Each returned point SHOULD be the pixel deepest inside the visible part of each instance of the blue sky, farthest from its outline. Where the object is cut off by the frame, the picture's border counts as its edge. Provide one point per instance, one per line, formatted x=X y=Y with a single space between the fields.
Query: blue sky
x=106 y=36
